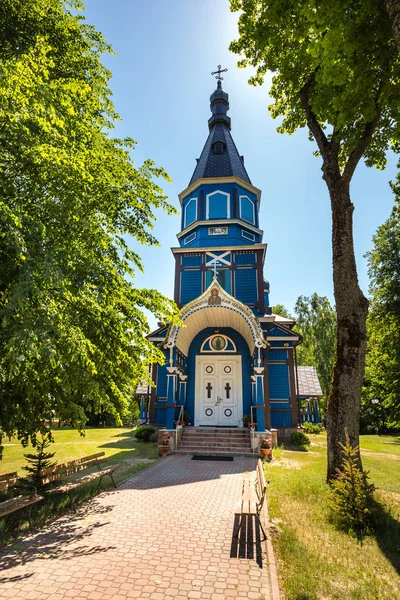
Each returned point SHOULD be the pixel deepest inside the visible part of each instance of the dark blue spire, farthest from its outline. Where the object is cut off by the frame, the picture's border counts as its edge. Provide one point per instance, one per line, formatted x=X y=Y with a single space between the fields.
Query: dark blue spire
x=220 y=157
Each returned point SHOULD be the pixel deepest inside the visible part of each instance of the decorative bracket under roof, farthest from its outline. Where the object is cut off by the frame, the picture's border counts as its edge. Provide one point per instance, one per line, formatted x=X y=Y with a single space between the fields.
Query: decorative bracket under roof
x=210 y=310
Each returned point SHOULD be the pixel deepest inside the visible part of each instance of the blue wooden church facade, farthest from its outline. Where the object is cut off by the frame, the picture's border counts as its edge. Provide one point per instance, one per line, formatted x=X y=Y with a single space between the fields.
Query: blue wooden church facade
x=232 y=357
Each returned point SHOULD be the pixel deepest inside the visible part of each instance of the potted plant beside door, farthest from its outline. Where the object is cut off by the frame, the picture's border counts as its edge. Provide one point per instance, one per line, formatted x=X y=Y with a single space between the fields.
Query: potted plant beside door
x=163 y=444
x=265 y=446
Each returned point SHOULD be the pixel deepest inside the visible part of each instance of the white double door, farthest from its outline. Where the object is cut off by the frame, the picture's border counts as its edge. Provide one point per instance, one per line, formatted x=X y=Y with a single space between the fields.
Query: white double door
x=218 y=399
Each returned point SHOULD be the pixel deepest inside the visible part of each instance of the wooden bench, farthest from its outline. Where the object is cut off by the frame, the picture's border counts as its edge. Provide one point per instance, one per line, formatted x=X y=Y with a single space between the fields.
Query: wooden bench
x=60 y=471
x=252 y=497
x=11 y=482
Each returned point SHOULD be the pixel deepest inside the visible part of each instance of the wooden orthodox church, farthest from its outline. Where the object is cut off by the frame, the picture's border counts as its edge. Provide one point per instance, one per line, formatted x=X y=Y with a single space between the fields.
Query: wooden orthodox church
x=232 y=358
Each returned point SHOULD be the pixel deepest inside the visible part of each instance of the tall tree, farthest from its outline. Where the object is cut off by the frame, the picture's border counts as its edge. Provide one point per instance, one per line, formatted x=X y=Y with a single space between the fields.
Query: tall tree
x=335 y=70
x=282 y=311
x=316 y=322
x=72 y=333
x=383 y=351
x=393 y=9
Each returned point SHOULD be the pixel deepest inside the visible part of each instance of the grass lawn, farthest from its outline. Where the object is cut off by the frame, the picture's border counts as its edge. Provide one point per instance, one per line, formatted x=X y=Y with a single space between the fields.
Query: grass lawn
x=119 y=445
x=316 y=562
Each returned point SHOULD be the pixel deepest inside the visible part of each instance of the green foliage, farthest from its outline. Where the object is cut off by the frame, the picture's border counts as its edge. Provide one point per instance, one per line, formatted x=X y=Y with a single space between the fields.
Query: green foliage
x=144 y=433
x=311 y=427
x=37 y=461
x=298 y=438
x=343 y=49
x=186 y=418
x=316 y=322
x=335 y=66
x=382 y=374
x=282 y=311
x=73 y=328
x=351 y=499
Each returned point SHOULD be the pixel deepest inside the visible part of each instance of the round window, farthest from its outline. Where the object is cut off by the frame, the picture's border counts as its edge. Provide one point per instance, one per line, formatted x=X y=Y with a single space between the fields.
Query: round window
x=218 y=343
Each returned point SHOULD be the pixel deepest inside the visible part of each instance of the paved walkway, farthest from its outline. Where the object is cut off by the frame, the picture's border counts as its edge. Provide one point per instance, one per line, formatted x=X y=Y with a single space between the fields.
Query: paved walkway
x=165 y=533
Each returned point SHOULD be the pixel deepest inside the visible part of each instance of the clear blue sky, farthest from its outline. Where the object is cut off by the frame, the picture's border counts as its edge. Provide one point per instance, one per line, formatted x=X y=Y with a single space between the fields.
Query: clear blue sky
x=165 y=51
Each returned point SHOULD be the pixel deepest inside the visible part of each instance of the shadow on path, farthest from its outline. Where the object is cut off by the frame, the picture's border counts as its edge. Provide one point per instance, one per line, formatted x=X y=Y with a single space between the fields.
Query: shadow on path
x=181 y=471
x=248 y=542
x=51 y=542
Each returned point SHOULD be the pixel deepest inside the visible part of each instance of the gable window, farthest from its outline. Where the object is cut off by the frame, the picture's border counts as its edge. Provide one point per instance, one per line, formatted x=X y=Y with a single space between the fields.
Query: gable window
x=218 y=147
x=246 y=209
x=190 y=211
x=218 y=205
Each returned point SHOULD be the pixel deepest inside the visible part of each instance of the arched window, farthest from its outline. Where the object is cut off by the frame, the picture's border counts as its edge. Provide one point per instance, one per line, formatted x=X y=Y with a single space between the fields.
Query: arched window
x=246 y=208
x=218 y=343
x=191 y=211
x=218 y=205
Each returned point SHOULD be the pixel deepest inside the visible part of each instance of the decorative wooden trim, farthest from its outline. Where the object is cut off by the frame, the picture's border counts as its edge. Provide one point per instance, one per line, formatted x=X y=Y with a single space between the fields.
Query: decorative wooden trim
x=221 y=221
x=178 y=270
x=180 y=250
x=219 y=180
x=260 y=282
x=293 y=402
x=152 y=411
x=267 y=414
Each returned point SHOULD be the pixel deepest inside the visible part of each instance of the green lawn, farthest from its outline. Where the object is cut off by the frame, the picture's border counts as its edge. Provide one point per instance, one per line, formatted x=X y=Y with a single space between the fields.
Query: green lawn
x=119 y=445
x=314 y=560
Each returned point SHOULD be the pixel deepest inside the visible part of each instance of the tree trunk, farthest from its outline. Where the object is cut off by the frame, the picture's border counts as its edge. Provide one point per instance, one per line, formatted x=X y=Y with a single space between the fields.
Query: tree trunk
x=393 y=9
x=351 y=309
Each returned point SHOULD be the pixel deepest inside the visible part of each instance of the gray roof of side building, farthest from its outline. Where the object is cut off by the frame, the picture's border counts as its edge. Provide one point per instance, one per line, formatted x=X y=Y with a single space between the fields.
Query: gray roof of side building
x=309 y=386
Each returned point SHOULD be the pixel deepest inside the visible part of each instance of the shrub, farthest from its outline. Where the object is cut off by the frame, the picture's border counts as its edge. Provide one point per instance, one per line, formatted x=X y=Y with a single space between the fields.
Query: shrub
x=299 y=438
x=351 y=499
x=144 y=433
x=311 y=427
x=37 y=461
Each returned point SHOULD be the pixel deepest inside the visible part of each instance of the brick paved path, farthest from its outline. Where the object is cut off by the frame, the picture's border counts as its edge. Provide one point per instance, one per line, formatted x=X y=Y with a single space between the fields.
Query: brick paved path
x=163 y=534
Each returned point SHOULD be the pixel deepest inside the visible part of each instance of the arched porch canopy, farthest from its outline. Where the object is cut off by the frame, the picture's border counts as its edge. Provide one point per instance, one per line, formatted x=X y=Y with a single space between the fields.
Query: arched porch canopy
x=215 y=308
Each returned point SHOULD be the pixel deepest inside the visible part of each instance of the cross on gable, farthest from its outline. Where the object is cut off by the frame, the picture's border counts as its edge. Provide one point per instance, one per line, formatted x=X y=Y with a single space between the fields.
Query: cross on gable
x=223 y=258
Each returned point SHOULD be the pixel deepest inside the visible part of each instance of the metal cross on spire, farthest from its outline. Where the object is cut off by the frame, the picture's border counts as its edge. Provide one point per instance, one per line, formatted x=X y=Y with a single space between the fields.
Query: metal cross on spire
x=218 y=73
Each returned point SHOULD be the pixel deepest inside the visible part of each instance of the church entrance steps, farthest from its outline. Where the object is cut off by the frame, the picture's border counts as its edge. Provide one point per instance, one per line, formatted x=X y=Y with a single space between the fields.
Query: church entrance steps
x=214 y=440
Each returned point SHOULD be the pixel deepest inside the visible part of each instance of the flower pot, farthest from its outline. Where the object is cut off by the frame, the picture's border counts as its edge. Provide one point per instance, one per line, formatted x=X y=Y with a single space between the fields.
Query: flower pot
x=265 y=451
x=164 y=449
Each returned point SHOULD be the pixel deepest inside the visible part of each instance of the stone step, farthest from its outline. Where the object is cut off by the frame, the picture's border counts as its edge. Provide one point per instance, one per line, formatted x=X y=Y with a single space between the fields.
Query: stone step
x=211 y=440
x=227 y=441
x=199 y=448
x=216 y=453
x=214 y=435
x=217 y=429
x=217 y=433
x=217 y=446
